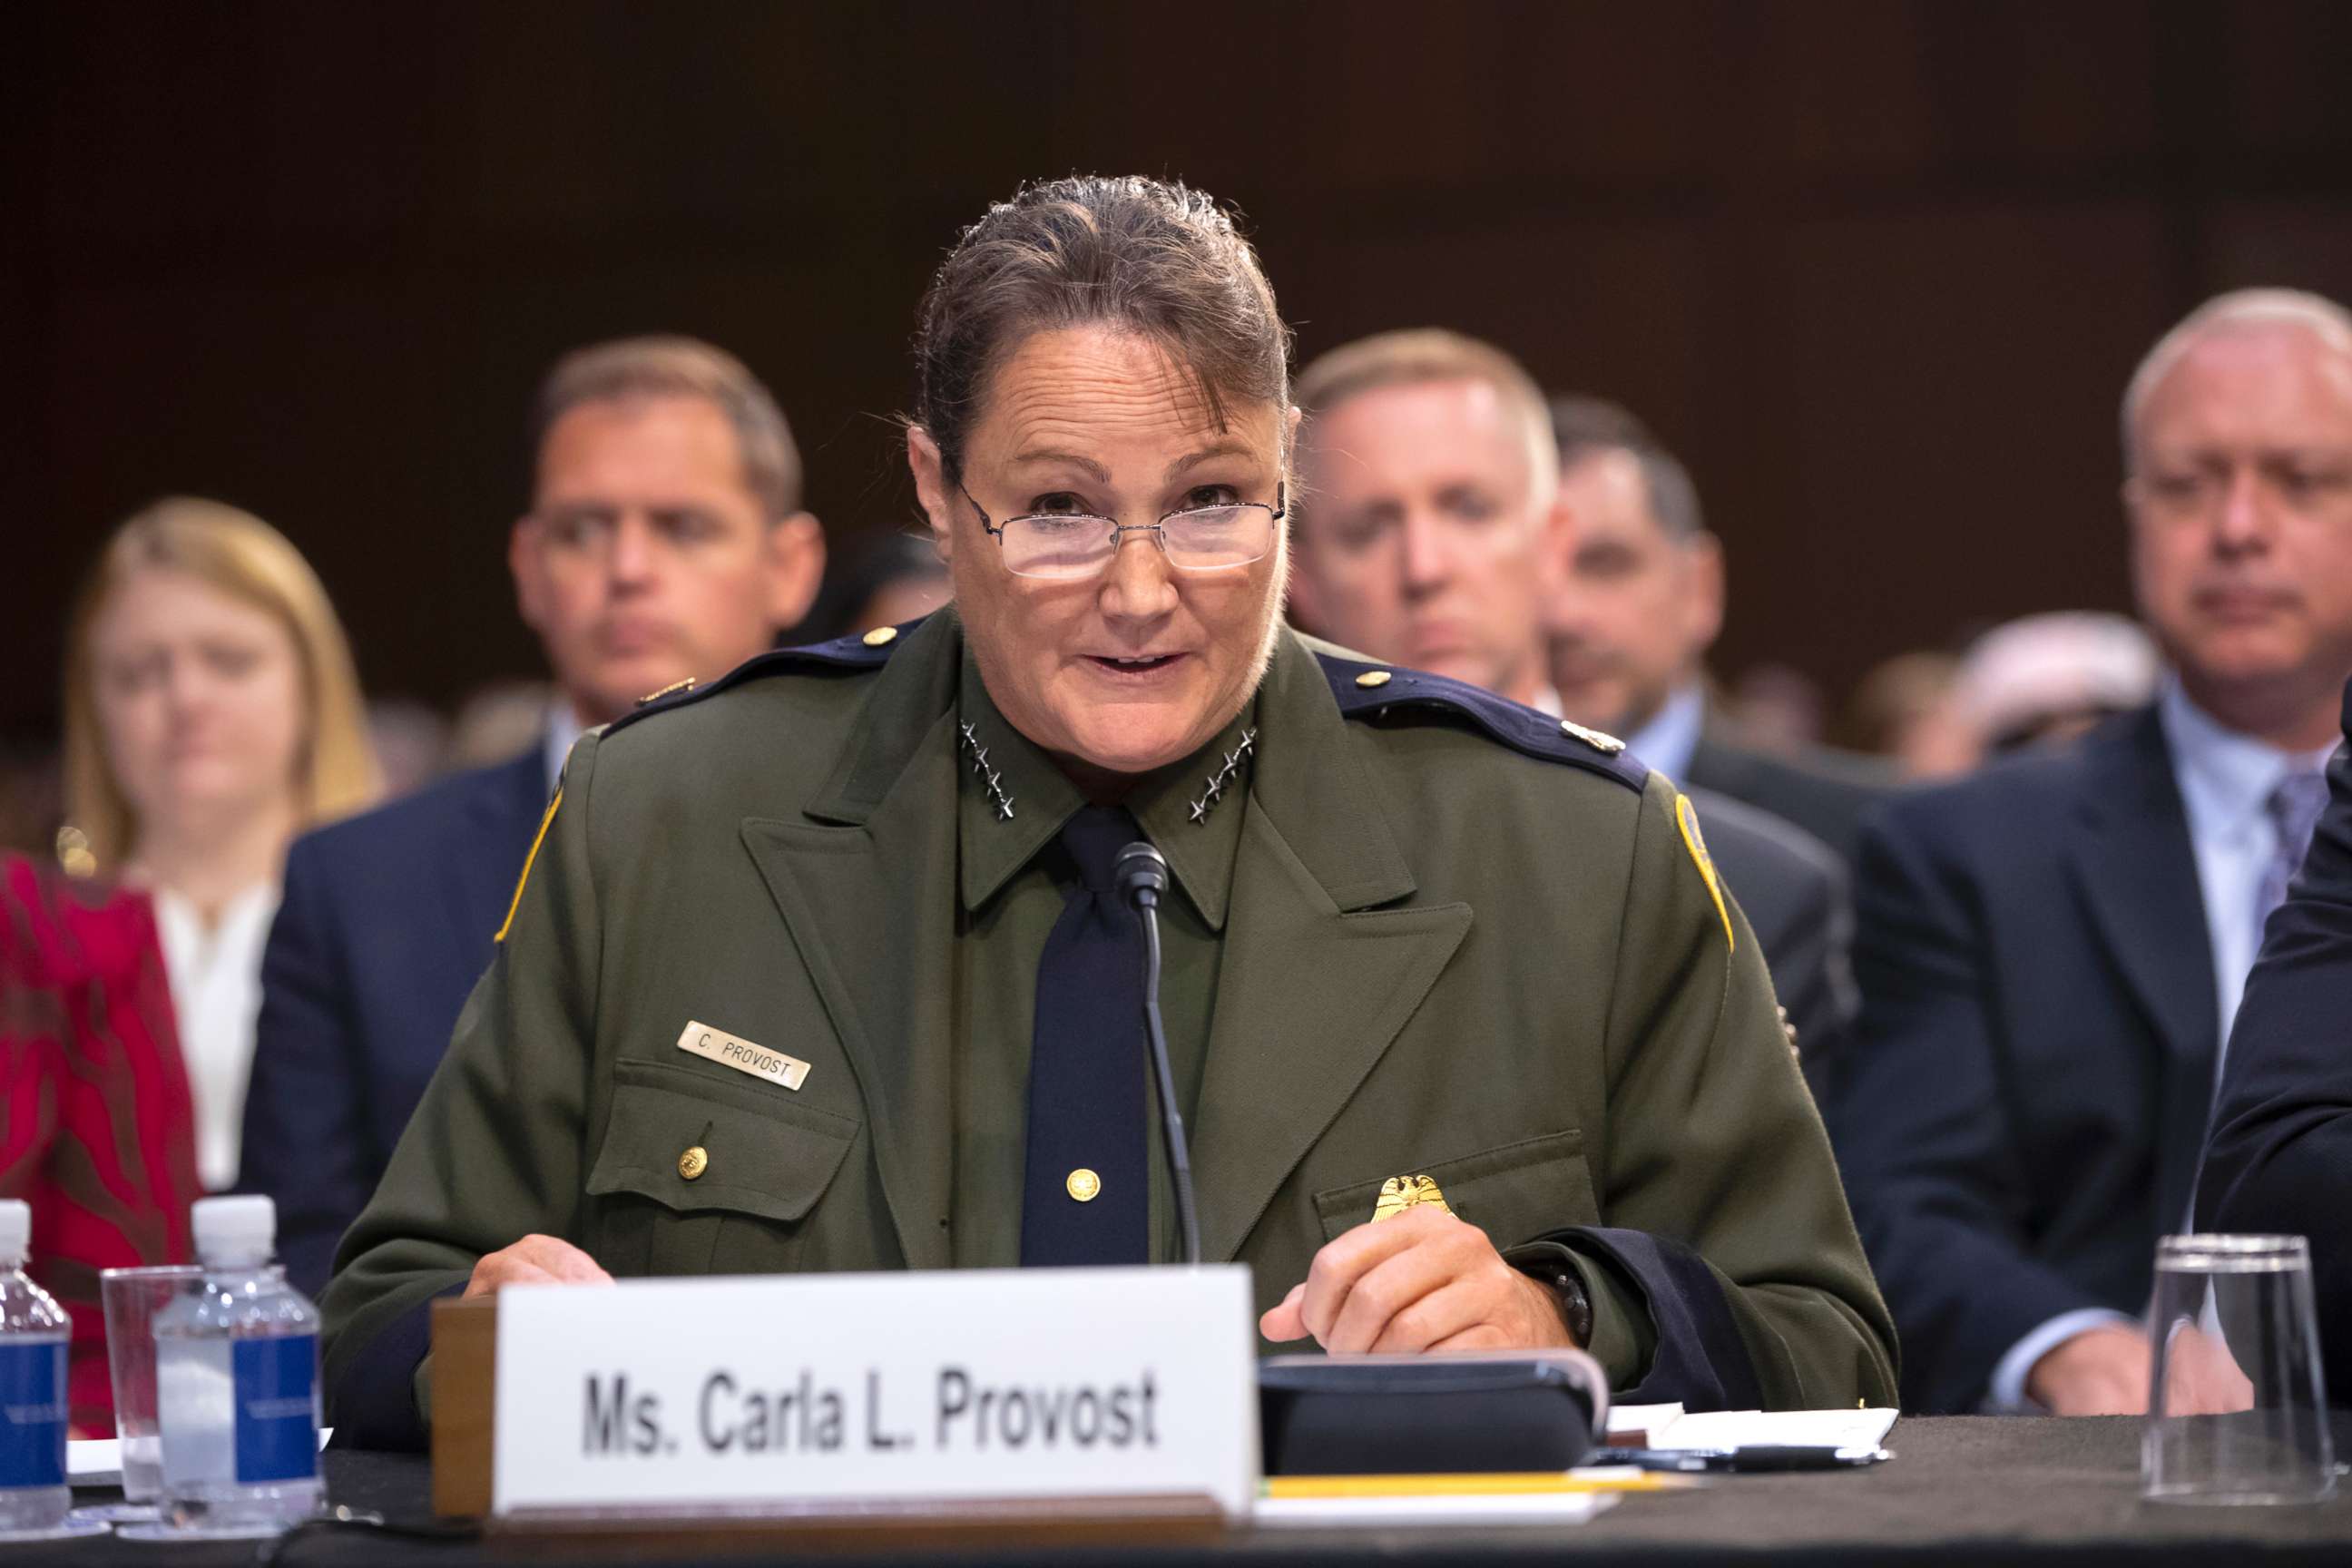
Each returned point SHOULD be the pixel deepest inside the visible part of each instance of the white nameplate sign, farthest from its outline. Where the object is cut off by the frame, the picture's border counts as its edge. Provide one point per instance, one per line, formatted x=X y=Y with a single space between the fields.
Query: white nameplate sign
x=862 y=1388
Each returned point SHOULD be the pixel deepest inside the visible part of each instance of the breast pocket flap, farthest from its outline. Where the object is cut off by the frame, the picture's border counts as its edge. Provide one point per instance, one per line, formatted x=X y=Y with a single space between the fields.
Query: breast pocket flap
x=1512 y=1193
x=760 y=1154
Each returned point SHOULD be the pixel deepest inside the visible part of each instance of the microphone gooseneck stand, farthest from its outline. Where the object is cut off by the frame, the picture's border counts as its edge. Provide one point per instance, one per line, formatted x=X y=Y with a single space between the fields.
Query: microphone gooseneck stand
x=1142 y=874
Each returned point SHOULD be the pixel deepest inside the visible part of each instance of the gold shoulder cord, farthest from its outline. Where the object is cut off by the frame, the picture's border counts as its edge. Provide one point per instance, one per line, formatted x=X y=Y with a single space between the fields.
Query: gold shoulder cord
x=523 y=881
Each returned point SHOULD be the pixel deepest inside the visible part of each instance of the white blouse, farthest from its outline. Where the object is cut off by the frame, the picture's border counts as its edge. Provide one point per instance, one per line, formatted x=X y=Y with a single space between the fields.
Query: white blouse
x=215 y=977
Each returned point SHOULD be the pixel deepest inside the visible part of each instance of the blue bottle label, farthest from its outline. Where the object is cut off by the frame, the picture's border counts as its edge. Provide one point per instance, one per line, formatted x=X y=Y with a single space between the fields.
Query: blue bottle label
x=276 y=1383
x=33 y=1414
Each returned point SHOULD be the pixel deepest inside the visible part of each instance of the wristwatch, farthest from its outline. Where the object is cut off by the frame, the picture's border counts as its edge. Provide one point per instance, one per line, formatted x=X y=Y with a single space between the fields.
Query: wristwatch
x=1551 y=1265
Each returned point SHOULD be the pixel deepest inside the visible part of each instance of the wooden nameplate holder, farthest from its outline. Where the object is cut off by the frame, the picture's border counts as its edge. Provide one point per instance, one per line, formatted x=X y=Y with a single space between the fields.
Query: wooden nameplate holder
x=464 y=1384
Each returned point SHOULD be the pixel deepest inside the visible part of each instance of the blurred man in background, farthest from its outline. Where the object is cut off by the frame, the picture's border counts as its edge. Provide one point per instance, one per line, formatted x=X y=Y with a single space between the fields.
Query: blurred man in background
x=1426 y=527
x=666 y=543
x=1638 y=605
x=2051 y=952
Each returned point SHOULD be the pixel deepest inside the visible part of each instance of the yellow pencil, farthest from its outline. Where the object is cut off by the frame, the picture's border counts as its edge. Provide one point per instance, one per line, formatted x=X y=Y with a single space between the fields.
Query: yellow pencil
x=1503 y=1484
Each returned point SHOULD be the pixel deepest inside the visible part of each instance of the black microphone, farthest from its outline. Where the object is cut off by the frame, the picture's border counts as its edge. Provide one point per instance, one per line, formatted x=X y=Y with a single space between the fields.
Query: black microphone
x=1140 y=874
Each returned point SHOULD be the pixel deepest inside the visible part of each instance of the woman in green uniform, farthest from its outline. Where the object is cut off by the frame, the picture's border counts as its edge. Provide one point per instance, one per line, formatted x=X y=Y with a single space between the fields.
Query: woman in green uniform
x=821 y=967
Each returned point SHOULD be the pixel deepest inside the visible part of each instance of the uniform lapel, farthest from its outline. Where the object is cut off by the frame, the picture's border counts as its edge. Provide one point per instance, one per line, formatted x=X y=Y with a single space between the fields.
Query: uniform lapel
x=2138 y=874
x=1315 y=981
x=866 y=890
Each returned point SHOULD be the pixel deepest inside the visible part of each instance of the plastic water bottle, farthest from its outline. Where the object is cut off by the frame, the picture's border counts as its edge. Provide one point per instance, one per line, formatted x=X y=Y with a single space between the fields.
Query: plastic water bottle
x=33 y=1333
x=236 y=1381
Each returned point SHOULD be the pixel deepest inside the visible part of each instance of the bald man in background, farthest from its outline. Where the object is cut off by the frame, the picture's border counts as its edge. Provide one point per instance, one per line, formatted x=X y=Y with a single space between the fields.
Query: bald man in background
x=1425 y=533
x=2052 y=950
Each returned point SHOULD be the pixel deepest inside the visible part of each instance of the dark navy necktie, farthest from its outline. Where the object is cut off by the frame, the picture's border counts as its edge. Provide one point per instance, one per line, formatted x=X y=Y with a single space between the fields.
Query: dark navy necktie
x=1085 y=1199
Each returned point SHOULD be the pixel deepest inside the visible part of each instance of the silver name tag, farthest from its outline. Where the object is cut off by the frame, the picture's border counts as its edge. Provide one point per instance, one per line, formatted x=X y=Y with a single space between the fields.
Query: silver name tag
x=727 y=1051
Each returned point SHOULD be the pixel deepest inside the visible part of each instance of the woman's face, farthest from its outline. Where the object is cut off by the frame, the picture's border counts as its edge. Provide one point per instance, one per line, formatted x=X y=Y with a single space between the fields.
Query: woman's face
x=199 y=699
x=1139 y=666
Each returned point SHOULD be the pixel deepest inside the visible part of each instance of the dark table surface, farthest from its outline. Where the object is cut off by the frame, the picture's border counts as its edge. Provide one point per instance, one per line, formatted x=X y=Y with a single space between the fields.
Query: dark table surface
x=1959 y=1490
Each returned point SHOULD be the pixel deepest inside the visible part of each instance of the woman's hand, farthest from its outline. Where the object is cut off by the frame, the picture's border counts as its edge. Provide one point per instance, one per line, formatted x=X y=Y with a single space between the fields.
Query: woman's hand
x=535 y=1260
x=1421 y=1281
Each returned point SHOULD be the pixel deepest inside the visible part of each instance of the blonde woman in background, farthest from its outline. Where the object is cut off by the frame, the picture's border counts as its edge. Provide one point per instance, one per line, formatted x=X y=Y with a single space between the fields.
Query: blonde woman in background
x=212 y=713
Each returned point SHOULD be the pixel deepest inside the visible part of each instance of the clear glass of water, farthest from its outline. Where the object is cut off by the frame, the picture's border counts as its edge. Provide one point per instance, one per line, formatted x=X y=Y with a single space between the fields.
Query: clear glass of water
x=2237 y=1407
x=133 y=1296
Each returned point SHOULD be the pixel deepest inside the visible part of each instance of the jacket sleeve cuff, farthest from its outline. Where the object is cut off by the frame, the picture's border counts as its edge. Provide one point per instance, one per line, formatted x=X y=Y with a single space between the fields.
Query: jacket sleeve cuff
x=1662 y=1326
x=1623 y=1338
x=372 y=1402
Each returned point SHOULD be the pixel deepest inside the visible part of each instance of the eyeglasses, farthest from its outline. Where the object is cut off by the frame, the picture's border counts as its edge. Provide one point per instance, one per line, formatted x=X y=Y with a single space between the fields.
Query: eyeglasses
x=1068 y=545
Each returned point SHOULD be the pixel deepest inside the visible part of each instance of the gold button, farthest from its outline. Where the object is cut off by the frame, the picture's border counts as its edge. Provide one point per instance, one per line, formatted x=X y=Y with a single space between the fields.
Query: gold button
x=1084 y=1184
x=1372 y=677
x=881 y=636
x=694 y=1162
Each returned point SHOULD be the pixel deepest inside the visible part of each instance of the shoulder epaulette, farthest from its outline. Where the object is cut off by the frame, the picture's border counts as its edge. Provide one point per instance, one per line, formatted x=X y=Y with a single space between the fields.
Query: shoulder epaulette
x=1376 y=693
x=845 y=655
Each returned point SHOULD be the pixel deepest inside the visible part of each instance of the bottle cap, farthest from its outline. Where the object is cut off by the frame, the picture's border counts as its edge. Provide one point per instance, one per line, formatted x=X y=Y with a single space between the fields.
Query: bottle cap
x=15 y=1231
x=241 y=1229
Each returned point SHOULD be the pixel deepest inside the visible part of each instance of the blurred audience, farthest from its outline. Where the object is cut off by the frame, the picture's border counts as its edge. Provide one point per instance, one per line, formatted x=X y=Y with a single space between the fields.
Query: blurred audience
x=1777 y=708
x=212 y=713
x=411 y=741
x=887 y=580
x=665 y=543
x=500 y=720
x=1638 y=602
x=2048 y=679
x=1901 y=710
x=2051 y=952
x=99 y=1134
x=1426 y=515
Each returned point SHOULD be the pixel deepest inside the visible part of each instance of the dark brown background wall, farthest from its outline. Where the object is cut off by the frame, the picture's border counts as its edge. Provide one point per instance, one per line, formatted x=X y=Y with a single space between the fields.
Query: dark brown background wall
x=1879 y=268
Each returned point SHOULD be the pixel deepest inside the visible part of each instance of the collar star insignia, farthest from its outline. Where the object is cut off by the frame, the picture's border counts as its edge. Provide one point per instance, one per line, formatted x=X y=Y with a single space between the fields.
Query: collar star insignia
x=1216 y=783
x=967 y=740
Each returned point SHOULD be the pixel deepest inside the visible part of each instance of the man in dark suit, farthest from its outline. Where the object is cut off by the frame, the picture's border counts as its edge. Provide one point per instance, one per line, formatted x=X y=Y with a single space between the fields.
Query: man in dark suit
x=2280 y=1157
x=1637 y=605
x=666 y=543
x=1425 y=522
x=2050 y=953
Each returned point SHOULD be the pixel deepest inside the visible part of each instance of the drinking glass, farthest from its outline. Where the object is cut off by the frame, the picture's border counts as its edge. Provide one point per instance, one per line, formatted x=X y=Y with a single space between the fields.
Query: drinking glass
x=2236 y=1410
x=133 y=1296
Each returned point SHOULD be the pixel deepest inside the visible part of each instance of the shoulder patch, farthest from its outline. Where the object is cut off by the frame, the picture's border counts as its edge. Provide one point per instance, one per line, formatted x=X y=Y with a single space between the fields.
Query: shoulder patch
x=846 y=655
x=1380 y=693
x=1686 y=818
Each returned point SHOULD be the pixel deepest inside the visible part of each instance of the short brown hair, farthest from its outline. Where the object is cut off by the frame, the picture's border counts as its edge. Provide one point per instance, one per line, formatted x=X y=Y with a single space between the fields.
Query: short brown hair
x=1588 y=426
x=630 y=368
x=242 y=556
x=1418 y=356
x=1163 y=260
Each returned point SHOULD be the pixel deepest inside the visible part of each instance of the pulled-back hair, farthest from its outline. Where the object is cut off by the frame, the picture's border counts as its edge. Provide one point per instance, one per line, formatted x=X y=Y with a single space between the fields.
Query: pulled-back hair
x=1138 y=254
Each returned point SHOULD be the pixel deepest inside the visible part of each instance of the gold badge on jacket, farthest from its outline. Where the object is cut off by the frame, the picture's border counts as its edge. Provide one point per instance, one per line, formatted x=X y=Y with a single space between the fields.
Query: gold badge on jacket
x=718 y=1046
x=1399 y=1193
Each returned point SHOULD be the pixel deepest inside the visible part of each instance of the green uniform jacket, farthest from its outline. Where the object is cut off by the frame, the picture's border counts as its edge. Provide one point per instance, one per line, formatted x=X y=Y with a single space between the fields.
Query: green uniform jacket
x=1461 y=943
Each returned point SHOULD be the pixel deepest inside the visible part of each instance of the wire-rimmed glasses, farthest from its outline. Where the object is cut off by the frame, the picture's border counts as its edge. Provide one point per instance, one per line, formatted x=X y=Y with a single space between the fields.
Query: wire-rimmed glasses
x=1070 y=545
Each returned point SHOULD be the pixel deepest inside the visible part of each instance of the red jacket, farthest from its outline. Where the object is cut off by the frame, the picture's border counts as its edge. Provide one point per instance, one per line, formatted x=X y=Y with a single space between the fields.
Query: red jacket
x=97 y=1131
